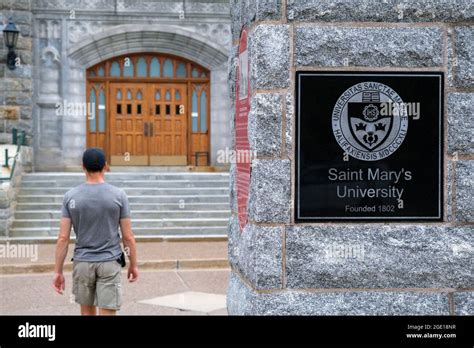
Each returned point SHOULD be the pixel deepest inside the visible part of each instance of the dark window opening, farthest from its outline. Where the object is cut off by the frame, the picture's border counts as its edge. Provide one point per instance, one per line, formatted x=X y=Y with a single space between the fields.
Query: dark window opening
x=119 y=108
x=129 y=108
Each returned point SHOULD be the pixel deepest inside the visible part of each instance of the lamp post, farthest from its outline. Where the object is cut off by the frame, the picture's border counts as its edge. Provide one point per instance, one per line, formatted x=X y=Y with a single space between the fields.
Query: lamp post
x=10 y=35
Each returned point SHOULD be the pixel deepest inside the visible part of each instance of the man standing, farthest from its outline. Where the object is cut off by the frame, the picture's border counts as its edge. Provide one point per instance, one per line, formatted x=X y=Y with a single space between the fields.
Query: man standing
x=96 y=209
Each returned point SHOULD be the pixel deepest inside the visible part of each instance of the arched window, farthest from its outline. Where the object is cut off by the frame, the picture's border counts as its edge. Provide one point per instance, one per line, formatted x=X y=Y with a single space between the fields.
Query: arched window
x=118 y=98
x=168 y=68
x=141 y=67
x=181 y=70
x=147 y=66
x=128 y=67
x=115 y=69
x=155 y=67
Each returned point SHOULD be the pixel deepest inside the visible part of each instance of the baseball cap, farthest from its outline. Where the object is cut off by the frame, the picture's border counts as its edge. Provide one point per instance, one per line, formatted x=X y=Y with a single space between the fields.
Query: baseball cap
x=93 y=159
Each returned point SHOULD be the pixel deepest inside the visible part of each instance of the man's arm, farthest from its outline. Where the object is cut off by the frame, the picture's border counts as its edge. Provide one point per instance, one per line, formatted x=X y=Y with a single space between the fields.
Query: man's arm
x=62 y=246
x=130 y=248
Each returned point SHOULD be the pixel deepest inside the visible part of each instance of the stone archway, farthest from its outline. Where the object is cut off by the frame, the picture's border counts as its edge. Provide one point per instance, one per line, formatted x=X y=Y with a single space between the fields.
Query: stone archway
x=161 y=38
x=128 y=39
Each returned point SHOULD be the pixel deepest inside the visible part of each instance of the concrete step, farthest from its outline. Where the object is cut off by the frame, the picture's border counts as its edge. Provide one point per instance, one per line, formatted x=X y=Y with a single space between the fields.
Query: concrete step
x=204 y=206
x=133 y=191
x=159 y=169
x=139 y=231
x=163 y=204
x=70 y=183
x=79 y=177
x=136 y=214
x=222 y=198
x=167 y=222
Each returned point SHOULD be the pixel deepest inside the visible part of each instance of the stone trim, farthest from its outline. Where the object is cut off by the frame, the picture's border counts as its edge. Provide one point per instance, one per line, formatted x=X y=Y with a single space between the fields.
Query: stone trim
x=376 y=11
x=243 y=300
x=160 y=38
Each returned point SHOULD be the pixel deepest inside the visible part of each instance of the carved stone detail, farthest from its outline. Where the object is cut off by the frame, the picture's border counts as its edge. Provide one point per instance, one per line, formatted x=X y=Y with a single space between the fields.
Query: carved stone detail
x=149 y=6
x=79 y=29
x=217 y=32
x=49 y=29
x=74 y=4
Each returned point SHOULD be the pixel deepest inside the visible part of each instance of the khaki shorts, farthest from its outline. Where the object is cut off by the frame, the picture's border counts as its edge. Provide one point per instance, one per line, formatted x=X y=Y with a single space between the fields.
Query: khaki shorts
x=97 y=284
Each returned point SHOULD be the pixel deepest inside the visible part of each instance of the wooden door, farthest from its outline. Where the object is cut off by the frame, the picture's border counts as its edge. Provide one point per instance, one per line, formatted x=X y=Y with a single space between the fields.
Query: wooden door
x=133 y=126
x=129 y=128
x=168 y=124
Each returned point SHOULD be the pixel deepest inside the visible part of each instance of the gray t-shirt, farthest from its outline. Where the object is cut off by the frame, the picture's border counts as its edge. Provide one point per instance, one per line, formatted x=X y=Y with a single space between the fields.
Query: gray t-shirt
x=95 y=211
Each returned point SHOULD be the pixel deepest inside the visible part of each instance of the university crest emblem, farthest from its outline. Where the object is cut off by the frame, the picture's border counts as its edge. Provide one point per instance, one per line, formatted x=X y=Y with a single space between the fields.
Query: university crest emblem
x=364 y=123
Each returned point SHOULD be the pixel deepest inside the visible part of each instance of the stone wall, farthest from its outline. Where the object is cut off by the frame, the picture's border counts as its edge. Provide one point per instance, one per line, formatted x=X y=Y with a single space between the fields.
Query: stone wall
x=279 y=267
x=16 y=87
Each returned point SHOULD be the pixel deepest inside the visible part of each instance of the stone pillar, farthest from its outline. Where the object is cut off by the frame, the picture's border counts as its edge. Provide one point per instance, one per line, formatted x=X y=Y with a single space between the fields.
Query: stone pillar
x=279 y=266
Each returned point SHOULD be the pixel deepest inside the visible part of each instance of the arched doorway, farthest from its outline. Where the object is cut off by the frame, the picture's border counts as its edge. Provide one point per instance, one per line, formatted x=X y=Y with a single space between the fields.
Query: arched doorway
x=149 y=109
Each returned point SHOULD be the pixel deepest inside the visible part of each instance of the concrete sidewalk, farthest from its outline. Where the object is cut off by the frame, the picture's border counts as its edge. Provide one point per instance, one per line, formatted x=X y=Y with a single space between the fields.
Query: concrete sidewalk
x=175 y=292
x=164 y=255
x=176 y=278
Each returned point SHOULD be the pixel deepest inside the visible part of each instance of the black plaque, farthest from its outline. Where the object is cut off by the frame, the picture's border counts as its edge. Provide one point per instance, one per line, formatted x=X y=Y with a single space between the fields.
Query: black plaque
x=369 y=146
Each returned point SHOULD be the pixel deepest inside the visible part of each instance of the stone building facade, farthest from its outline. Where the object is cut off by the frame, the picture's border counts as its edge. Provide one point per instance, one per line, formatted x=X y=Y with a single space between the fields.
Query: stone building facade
x=279 y=266
x=16 y=89
x=61 y=39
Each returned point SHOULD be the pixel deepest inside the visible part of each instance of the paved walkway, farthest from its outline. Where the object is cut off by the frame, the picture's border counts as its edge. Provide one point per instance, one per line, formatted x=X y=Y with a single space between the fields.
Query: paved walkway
x=35 y=254
x=185 y=292
x=176 y=278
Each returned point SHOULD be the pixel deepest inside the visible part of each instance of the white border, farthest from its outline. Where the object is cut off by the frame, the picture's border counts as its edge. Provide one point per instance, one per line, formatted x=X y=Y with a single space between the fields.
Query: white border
x=440 y=184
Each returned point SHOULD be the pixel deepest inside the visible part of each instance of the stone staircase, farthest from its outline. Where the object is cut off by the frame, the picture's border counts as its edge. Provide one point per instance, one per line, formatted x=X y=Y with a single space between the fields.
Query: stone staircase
x=162 y=204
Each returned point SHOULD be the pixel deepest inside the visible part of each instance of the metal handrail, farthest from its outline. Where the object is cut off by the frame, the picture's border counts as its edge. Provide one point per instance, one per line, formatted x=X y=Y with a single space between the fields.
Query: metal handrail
x=19 y=141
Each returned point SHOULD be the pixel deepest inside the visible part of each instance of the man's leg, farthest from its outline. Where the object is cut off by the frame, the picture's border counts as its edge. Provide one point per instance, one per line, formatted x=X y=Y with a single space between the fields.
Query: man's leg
x=83 y=288
x=88 y=310
x=105 y=311
x=108 y=287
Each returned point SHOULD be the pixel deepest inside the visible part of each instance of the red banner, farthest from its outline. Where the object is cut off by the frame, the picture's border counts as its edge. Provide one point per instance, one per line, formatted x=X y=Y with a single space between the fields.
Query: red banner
x=242 y=156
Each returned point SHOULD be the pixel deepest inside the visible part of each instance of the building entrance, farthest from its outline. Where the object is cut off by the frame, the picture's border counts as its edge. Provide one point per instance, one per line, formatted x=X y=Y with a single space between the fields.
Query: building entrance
x=149 y=110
